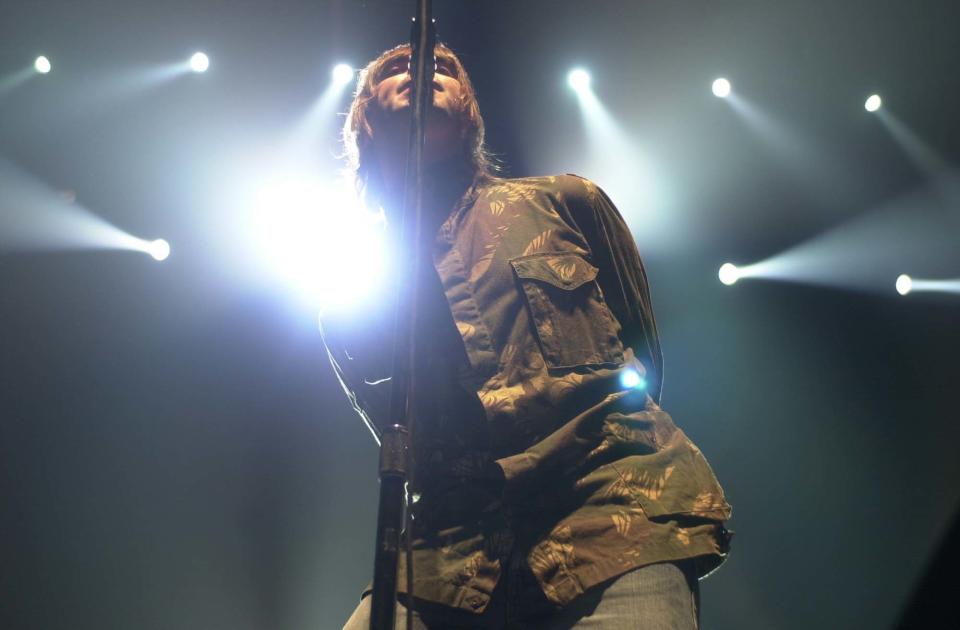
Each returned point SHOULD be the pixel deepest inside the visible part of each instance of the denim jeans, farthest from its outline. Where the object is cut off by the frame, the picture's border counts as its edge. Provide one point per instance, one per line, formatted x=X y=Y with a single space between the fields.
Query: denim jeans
x=655 y=597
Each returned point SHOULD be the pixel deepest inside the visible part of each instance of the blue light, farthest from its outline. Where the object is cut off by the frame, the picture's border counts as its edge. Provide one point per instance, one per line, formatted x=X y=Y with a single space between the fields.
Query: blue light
x=630 y=379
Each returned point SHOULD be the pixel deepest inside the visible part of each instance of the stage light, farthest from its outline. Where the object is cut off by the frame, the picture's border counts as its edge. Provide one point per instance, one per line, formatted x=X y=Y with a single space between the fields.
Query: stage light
x=873 y=103
x=904 y=284
x=729 y=273
x=342 y=74
x=42 y=65
x=721 y=88
x=159 y=249
x=199 y=62
x=631 y=379
x=579 y=80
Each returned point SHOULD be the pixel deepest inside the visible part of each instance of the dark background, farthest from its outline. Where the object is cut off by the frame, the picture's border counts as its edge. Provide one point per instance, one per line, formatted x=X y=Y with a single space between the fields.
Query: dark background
x=174 y=449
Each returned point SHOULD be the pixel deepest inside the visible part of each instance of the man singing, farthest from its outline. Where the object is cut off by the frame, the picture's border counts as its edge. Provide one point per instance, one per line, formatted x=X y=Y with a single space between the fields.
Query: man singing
x=551 y=490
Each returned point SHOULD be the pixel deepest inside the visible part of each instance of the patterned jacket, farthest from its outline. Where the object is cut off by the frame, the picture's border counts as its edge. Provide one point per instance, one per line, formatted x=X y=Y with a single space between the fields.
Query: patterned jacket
x=542 y=435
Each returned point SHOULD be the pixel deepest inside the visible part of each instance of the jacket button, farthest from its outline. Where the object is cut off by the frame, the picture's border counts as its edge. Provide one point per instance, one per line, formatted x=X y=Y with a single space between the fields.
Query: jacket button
x=475 y=601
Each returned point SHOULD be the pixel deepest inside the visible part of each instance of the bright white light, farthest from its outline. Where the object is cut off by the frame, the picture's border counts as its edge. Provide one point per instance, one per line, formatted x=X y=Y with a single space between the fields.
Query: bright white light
x=721 y=88
x=630 y=379
x=342 y=74
x=315 y=237
x=199 y=62
x=873 y=103
x=904 y=284
x=729 y=273
x=42 y=65
x=159 y=249
x=579 y=80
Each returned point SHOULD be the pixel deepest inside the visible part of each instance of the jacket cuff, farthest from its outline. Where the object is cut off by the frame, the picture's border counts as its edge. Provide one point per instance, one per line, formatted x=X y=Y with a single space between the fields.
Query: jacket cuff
x=517 y=471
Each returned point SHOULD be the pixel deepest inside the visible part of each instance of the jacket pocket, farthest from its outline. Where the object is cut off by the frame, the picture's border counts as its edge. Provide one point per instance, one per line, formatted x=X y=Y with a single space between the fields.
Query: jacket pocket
x=573 y=324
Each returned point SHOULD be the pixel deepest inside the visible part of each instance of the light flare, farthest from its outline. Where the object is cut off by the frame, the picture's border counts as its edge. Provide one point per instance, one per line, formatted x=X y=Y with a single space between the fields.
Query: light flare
x=316 y=238
x=631 y=379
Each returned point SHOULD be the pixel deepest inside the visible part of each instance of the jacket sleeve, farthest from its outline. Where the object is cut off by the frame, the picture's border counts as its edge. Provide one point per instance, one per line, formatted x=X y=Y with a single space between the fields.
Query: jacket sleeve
x=622 y=276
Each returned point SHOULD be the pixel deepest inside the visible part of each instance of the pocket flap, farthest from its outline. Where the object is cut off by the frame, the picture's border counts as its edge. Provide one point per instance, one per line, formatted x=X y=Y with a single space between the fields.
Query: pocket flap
x=565 y=271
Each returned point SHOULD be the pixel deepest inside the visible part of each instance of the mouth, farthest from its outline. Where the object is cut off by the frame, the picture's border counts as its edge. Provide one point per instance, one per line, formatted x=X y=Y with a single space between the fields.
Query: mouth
x=407 y=86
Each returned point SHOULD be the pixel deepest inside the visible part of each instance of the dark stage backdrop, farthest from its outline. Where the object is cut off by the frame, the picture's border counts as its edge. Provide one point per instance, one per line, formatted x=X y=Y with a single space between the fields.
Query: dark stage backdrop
x=174 y=450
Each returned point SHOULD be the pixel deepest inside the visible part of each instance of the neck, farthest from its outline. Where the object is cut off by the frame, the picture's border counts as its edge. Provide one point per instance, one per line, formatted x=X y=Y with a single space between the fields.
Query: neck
x=445 y=182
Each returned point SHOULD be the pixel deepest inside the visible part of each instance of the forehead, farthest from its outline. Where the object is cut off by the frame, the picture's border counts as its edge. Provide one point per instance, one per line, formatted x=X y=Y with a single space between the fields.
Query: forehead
x=442 y=54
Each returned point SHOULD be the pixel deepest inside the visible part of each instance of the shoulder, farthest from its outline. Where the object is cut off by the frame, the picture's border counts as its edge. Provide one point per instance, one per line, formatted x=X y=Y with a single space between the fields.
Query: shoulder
x=570 y=189
x=580 y=191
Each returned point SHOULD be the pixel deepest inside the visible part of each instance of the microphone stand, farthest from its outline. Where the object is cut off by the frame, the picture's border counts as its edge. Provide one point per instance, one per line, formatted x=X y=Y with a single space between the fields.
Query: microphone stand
x=395 y=445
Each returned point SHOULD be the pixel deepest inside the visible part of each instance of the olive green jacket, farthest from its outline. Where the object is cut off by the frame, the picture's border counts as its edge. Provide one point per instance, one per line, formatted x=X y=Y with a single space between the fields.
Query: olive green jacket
x=542 y=433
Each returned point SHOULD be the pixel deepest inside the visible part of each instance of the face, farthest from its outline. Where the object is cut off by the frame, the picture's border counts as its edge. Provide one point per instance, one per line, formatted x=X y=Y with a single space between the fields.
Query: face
x=389 y=114
x=393 y=85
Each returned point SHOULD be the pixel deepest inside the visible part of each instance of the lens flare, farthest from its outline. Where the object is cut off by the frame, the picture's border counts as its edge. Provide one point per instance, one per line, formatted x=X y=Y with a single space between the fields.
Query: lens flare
x=315 y=237
x=631 y=379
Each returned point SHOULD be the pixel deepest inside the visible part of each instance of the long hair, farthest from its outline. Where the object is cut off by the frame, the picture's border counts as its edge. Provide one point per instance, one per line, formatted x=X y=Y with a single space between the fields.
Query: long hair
x=358 y=133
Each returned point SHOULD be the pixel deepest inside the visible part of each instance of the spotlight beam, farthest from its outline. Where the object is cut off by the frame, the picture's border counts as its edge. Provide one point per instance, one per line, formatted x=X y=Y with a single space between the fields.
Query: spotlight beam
x=613 y=160
x=924 y=158
x=863 y=254
x=114 y=85
x=34 y=217
x=818 y=173
x=14 y=80
x=920 y=285
x=309 y=130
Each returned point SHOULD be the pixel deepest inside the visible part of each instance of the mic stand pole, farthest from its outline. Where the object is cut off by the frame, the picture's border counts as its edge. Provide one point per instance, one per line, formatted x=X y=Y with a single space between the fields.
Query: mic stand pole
x=396 y=438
